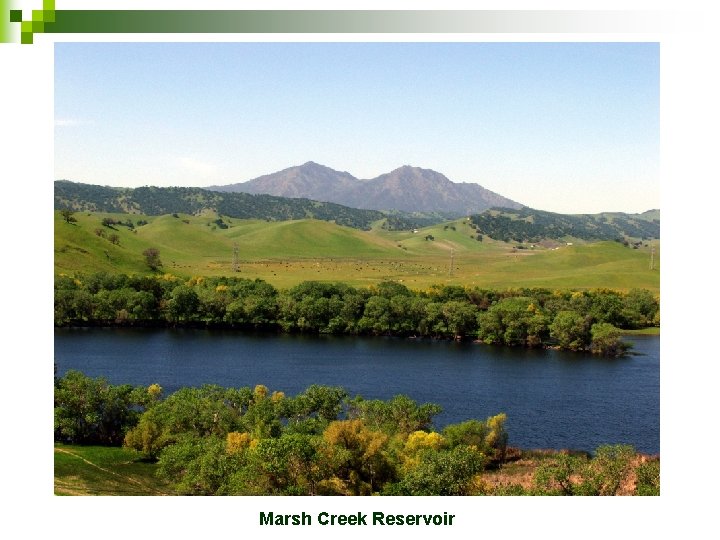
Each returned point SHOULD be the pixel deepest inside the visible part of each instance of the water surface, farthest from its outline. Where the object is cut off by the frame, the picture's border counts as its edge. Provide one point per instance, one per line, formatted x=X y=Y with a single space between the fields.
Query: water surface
x=553 y=399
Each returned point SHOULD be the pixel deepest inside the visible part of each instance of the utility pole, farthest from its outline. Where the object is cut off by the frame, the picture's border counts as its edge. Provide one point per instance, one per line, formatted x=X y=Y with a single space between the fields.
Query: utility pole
x=236 y=257
x=652 y=258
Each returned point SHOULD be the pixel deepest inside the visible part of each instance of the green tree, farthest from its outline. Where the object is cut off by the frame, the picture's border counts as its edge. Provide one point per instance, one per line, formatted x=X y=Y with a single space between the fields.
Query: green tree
x=199 y=465
x=399 y=415
x=68 y=215
x=183 y=304
x=92 y=411
x=443 y=472
x=292 y=464
x=606 y=340
x=195 y=412
x=570 y=330
x=460 y=317
x=152 y=258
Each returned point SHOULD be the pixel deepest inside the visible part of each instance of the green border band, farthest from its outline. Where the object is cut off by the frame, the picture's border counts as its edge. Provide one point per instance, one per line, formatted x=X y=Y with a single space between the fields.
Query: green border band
x=50 y=21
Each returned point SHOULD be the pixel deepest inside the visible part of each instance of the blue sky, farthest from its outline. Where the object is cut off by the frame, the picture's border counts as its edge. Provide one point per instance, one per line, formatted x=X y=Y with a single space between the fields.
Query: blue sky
x=565 y=127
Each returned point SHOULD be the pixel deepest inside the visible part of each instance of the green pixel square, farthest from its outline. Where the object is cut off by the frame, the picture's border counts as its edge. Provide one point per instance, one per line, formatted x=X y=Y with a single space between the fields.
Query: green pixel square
x=26 y=27
x=48 y=16
x=26 y=38
x=16 y=15
x=38 y=27
x=48 y=5
x=37 y=15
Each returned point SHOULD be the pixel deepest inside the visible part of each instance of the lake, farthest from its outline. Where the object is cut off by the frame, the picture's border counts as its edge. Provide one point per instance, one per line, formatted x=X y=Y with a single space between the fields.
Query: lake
x=553 y=399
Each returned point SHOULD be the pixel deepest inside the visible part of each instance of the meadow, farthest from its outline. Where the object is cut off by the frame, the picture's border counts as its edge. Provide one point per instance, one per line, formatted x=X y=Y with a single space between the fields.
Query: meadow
x=285 y=253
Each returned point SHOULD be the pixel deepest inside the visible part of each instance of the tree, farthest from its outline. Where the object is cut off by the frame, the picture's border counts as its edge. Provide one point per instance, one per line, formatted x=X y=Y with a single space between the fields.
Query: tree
x=114 y=239
x=570 y=330
x=152 y=258
x=91 y=411
x=443 y=472
x=67 y=215
x=360 y=458
x=399 y=415
x=606 y=340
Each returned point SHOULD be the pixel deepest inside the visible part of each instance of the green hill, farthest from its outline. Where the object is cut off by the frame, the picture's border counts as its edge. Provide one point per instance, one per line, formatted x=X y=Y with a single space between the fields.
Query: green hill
x=157 y=201
x=529 y=225
x=288 y=252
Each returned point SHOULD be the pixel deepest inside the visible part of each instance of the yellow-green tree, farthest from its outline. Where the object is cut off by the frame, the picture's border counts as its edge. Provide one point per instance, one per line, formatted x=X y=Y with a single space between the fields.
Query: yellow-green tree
x=359 y=453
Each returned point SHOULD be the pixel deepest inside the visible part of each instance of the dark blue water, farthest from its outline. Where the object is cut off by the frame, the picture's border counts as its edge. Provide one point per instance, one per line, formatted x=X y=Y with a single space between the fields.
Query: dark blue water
x=553 y=399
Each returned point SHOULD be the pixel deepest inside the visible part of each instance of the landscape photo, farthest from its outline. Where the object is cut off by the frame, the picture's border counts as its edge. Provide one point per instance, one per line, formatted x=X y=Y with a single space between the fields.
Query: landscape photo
x=420 y=269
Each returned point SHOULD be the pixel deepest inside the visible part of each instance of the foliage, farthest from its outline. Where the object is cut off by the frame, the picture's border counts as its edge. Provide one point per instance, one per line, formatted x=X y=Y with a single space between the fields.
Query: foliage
x=648 y=478
x=152 y=258
x=570 y=330
x=530 y=225
x=155 y=201
x=489 y=437
x=92 y=411
x=606 y=340
x=399 y=415
x=604 y=474
x=579 y=321
x=443 y=472
x=68 y=216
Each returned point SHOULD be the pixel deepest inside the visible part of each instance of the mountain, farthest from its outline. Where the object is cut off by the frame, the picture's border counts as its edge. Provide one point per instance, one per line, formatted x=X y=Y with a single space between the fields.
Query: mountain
x=529 y=225
x=407 y=189
x=307 y=181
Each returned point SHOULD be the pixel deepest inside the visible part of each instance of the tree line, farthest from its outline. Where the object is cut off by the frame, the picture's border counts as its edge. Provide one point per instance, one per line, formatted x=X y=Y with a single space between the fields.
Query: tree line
x=531 y=317
x=251 y=441
x=530 y=225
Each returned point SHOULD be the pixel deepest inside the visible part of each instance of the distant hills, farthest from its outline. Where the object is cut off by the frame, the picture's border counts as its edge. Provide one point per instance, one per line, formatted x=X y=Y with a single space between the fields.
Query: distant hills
x=528 y=225
x=406 y=189
x=156 y=201
x=423 y=197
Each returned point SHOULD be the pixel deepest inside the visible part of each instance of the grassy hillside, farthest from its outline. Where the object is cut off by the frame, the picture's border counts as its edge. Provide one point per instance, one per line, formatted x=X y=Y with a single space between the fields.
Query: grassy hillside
x=286 y=253
x=102 y=470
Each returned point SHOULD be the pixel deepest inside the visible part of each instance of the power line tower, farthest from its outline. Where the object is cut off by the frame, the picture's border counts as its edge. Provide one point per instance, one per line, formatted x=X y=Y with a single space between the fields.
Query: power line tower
x=236 y=257
x=452 y=259
x=652 y=258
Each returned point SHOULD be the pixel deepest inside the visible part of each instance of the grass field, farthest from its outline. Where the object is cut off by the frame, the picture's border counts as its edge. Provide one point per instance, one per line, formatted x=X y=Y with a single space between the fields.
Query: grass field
x=101 y=470
x=289 y=252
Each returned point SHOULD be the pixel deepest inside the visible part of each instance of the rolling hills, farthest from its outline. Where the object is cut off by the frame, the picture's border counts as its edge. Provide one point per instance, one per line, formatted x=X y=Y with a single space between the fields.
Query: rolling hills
x=285 y=253
x=155 y=201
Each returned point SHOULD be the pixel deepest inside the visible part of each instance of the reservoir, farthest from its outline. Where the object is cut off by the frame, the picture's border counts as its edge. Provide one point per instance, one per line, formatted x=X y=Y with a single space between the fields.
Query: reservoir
x=553 y=399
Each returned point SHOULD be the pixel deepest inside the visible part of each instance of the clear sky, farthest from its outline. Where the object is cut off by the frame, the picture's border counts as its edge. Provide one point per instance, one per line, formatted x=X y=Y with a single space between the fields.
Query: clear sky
x=564 y=127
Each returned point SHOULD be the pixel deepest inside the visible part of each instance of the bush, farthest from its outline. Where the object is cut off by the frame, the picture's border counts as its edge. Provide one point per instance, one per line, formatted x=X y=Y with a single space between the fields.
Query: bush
x=648 y=478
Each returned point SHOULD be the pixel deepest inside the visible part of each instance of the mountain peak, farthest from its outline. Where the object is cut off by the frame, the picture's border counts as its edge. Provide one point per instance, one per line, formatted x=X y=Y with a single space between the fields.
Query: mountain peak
x=407 y=188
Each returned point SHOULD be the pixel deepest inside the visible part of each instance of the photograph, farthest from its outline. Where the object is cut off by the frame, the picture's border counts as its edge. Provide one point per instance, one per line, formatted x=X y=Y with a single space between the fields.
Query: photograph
x=340 y=268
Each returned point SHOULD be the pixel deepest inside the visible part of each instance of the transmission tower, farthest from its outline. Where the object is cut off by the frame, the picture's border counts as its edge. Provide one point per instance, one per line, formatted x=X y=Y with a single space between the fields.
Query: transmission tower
x=652 y=258
x=236 y=258
x=452 y=259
